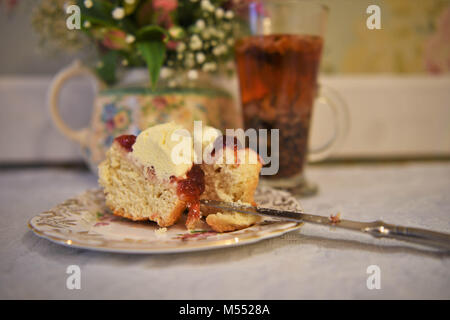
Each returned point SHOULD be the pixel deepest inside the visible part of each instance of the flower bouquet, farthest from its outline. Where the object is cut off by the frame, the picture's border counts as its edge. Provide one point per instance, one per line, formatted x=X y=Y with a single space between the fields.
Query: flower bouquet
x=177 y=41
x=166 y=36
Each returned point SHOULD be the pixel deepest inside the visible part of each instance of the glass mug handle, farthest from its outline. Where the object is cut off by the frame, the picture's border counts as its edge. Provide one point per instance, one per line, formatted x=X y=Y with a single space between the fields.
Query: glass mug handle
x=336 y=103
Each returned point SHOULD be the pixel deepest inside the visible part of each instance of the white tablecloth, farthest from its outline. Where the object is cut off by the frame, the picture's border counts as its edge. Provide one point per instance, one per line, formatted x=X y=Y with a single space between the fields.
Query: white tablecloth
x=315 y=262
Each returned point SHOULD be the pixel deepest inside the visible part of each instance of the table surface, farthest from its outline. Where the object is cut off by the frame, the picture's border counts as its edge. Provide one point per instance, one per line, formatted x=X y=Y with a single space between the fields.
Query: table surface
x=313 y=263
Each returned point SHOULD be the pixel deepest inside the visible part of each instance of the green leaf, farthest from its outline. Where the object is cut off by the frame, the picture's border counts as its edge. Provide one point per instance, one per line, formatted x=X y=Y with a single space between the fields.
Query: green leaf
x=100 y=12
x=151 y=32
x=129 y=8
x=154 y=52
x=107 y=70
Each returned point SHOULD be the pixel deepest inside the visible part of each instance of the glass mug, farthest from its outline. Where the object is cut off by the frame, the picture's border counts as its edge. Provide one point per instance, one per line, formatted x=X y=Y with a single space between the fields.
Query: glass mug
x=277 y=54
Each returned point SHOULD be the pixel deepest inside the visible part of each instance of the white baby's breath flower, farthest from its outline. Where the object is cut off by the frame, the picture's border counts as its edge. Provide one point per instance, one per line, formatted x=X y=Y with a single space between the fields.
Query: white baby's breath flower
x=166 y=72
x=200 y=24
x=172 y=83
x=189 y=63
x=207 y=6
x=180 y=56
x=216 y=51
x=118 y=13
x=215 y=32
x=129 y=38
x=175 y=32
x=220 y=49
x=124 y=62
x=195 y=42
x=181 y=47
x=206 y=34
x=220 y=34
x=209 y=66
x=130 y=1
x=192 y=74
x=219 y=13
x=88 y=3
x=226 y=26
x=230 y=42
x=229 y=14
x=200 y=58
x=189 y=60
x=204 y=4
x=87 y=24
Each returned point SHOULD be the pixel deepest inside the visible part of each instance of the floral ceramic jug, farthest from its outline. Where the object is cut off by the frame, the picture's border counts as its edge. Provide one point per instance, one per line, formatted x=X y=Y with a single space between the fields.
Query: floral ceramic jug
x=131 y=109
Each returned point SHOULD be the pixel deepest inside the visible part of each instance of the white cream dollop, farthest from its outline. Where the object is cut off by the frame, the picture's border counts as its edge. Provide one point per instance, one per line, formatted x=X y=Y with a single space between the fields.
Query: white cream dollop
x=165 y=147
x=169 y=148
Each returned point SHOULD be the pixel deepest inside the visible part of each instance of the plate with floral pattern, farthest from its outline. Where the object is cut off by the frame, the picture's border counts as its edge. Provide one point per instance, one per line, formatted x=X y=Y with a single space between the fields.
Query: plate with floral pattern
x=85 y=222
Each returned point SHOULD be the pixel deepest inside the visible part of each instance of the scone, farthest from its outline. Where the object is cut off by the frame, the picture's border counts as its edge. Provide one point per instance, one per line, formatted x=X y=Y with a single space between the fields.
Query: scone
x=235 y=182
x=155 y=177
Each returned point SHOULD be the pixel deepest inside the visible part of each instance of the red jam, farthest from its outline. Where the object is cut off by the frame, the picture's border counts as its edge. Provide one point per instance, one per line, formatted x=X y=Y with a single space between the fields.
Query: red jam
x=126 y=141
x=193 y=186
x=189 y=190
x=225 y=141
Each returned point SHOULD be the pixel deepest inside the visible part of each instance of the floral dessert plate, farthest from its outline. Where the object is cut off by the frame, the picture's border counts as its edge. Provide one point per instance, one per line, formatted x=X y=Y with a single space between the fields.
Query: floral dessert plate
x=85 y=222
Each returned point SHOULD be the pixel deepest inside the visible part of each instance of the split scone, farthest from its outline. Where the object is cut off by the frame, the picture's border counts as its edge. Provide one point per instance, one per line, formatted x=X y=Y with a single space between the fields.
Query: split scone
x=231 y=182
x=155 y=176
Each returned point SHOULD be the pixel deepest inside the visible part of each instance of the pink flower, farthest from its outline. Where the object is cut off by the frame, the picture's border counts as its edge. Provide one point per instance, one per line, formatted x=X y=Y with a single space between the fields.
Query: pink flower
x=115 y=39
x=165 y=5
x=172 y=45
x=164 y=20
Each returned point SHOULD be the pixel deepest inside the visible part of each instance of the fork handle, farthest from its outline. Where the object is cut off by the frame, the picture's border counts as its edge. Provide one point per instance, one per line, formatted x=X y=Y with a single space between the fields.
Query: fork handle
x=416 y=235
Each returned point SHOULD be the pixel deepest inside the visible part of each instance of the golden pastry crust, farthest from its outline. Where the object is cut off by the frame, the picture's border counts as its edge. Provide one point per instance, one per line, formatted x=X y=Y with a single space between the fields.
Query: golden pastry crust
x=168 y=221
x=231 y=221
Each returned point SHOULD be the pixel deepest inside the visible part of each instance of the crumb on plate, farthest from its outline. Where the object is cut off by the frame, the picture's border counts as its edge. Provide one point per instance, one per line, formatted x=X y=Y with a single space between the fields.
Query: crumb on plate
x=335 y=218
x=161 y=230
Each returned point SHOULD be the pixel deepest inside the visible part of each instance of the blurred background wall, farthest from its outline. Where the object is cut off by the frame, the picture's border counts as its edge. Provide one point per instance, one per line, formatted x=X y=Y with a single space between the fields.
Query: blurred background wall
x=415 y=38
x=395 y=81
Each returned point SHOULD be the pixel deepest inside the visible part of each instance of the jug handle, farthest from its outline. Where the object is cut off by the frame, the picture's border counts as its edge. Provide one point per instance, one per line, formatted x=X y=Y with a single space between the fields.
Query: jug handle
x=76 y=68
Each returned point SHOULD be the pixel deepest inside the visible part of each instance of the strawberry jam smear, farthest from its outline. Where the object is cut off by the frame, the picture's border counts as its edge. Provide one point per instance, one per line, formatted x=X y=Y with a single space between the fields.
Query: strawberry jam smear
x=126 y=141
x=223 y=142
x=189 y=190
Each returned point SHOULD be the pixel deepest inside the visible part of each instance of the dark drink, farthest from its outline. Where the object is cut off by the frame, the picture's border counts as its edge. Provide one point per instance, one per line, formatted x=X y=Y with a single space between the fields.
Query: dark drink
x=278 y=84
